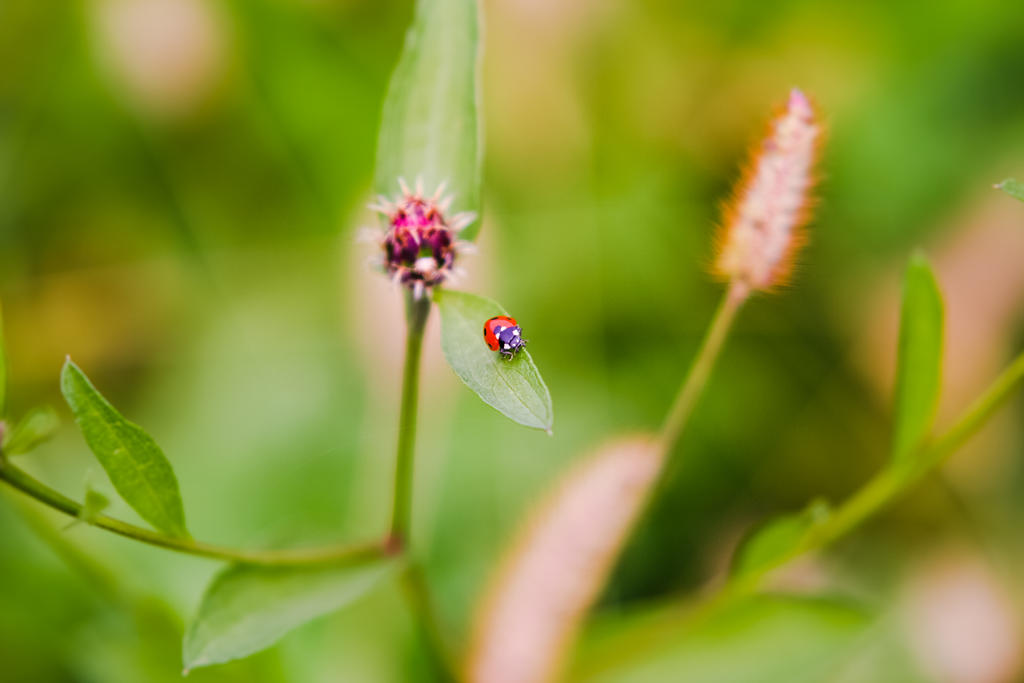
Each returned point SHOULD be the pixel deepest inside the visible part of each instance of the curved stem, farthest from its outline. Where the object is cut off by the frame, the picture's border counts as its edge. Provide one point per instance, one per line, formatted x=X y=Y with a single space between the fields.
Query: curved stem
x=703 y=363
x=30 y=486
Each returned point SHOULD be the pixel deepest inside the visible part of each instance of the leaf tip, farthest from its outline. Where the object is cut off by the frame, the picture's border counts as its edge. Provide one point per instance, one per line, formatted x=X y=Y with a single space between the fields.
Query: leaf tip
x=919 y=258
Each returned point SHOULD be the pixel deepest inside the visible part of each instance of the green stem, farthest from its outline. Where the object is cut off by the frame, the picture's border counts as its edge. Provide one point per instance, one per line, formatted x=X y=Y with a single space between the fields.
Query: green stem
x=703 y=363
x=340 y=554
x=401 y=514
x=416 y=590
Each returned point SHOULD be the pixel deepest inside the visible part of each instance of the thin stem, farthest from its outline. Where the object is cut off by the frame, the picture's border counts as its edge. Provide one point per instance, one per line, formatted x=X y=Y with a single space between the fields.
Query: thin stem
x=978 y=413
x=703 y=363
x=340 y=554
x=413 y=581
x=401 y=513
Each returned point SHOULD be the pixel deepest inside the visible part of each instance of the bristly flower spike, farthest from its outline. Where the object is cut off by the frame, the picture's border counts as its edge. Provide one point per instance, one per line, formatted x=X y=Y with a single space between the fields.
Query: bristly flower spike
x=761 y=228
x=419 y=244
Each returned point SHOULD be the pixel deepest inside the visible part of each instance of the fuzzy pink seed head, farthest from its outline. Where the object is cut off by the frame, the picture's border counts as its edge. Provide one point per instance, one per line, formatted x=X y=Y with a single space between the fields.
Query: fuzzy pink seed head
x=419 y=243
x=761 y=230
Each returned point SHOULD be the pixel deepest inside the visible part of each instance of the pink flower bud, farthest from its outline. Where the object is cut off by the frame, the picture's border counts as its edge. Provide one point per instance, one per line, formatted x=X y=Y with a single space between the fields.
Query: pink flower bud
x=419 y=244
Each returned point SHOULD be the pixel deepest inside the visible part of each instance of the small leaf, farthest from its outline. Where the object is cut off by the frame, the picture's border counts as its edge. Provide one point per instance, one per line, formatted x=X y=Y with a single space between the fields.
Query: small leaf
x=919 y=366
x=95 y=503
x=33 y=429
x=1012 y=187
x=430 y=121
x=773 y=542
x=513 y=387
x=247 y=609
x=135 y=464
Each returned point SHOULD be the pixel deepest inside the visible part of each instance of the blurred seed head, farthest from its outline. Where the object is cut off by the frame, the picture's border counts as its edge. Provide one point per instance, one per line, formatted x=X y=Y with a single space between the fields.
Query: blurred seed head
x=166 y=56
x=760 y=232
x=559 y=565
x=419 y=243
x=963 y=626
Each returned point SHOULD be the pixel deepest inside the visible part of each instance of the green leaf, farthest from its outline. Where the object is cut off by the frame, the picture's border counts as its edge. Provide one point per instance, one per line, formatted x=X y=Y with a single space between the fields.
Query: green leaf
x=919 y=365
x=763 y=639
x=514 y=387
x=247 y=609
x=1012 y=187
x=135 y=464
x=95 y=503
x=430 y=122
x=33 y=429
x=769 y=545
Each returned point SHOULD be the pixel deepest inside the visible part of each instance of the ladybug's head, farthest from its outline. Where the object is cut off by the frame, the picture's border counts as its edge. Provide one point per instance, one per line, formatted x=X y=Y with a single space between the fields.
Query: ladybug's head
x=510 y=340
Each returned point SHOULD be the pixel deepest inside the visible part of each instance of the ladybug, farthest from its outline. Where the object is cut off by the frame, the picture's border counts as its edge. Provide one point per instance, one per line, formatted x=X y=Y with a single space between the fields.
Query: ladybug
x=504 y=335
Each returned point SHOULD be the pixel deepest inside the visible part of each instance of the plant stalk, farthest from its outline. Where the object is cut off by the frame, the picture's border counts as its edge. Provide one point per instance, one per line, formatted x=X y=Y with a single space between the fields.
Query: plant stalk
x=703 y=363
x=401 y=513
x=413 y=582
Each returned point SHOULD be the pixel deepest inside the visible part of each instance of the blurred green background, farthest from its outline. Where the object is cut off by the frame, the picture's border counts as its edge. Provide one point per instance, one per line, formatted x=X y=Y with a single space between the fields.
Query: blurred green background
x=181 y=183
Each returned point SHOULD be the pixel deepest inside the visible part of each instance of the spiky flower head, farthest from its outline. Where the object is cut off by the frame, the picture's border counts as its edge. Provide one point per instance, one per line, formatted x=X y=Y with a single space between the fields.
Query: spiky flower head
x=419 y=243
x=760 y=232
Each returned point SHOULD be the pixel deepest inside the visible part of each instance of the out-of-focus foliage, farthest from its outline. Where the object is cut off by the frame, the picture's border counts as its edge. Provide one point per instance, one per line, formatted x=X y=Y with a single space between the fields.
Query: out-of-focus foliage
x=246 y=609
x=38 y=426
x=919 y=363
x=193 y=247
x=768 y=638
x=1012 y=187
x=429 y=121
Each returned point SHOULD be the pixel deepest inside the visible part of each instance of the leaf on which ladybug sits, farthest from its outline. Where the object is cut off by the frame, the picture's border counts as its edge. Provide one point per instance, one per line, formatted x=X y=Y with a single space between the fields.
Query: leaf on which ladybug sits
x=513 y=387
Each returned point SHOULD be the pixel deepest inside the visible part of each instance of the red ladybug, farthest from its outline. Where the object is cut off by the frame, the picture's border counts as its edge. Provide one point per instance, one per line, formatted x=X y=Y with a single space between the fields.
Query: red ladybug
x=504 y=335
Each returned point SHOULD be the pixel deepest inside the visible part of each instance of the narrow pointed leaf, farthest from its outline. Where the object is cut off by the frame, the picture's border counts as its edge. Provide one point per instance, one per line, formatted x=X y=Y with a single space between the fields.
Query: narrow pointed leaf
x=137 y=467
x=1012 y=187
x=247 y=609
x=780 y=538
x=919 y=366
x=430 y=122
x=33 y=429
x=513 y=387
